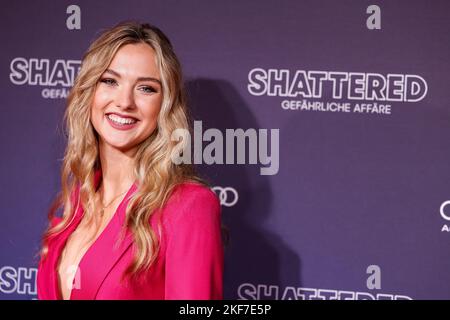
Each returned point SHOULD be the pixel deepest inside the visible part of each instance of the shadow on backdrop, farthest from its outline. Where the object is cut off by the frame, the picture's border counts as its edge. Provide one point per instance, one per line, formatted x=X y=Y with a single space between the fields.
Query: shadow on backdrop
x=254 y=255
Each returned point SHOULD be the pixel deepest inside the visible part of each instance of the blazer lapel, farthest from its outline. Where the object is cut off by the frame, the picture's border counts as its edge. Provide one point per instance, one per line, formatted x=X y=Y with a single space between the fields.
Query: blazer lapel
x=56 y=245
x=104 y=253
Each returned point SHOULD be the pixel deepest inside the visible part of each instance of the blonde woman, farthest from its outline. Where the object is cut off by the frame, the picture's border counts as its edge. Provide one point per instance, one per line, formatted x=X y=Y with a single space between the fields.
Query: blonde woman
x=134 y=225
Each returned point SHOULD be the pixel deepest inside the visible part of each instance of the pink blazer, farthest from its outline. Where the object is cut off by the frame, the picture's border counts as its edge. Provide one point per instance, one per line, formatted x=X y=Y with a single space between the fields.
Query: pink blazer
x=189 y=264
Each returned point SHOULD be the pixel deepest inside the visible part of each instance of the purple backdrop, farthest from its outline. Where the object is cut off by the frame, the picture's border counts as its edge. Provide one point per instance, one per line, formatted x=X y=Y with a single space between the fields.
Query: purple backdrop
x=359 y=206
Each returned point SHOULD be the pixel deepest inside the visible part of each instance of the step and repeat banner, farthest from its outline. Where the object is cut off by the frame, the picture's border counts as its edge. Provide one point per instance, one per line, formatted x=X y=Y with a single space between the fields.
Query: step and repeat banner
x=324 y=128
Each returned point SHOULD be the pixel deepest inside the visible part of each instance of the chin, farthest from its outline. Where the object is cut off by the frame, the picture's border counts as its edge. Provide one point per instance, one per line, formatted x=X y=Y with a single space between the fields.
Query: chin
x=120 y=145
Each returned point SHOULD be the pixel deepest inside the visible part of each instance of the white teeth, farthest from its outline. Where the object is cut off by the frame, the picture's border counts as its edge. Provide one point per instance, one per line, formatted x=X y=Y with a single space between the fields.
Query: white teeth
x=120 y=120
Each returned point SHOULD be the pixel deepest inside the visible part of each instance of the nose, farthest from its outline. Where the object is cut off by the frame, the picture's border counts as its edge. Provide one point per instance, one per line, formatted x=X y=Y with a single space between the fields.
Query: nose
x=124 y=98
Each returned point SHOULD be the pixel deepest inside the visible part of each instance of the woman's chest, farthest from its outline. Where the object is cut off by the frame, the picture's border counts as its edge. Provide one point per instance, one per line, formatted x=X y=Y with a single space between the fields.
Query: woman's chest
x=77 y=244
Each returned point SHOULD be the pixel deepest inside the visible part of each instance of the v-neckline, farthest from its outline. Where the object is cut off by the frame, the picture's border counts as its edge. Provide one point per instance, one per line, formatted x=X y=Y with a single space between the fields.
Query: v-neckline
x=77 y=222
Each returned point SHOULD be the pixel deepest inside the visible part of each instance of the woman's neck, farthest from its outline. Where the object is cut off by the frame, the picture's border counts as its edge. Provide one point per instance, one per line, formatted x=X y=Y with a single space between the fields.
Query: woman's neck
x=117 y=170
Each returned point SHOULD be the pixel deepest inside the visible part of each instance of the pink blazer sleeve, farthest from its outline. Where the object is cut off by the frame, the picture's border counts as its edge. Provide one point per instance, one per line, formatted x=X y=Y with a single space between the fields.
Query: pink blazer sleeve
x=194 y=254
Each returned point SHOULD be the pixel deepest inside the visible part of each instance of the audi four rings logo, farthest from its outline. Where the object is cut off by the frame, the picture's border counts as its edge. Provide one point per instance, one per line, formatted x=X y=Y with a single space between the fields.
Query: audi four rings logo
x=228 y=196
x=443 y=205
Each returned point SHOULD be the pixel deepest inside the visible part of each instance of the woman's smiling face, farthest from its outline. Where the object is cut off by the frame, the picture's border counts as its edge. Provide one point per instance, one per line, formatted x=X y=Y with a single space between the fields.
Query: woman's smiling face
x=128 y=98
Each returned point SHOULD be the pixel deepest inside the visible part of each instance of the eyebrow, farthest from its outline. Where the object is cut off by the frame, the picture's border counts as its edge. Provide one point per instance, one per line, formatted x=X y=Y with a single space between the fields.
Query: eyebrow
x=138 y=79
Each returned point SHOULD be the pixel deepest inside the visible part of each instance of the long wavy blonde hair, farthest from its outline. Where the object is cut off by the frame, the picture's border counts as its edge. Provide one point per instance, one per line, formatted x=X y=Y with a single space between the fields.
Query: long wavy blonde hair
x=154 y=170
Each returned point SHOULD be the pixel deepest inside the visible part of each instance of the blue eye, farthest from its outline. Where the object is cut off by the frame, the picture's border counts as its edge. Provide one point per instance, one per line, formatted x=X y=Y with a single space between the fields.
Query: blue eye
x=108 y=81
x=148 y=89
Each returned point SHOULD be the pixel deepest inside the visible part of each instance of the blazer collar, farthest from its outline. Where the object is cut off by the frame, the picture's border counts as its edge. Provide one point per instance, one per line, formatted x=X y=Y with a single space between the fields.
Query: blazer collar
x=101 y=256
